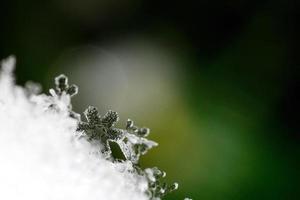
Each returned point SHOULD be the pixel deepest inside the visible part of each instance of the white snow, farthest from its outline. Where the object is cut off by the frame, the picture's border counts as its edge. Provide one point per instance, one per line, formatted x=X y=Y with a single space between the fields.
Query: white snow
x=41 y=158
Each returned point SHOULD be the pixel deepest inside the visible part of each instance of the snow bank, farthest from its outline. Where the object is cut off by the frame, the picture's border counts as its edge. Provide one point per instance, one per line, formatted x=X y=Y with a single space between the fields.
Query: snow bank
x=41 y=158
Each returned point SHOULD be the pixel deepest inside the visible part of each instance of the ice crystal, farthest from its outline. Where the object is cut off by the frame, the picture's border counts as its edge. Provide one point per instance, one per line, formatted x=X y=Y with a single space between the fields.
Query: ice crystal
x=133 y=143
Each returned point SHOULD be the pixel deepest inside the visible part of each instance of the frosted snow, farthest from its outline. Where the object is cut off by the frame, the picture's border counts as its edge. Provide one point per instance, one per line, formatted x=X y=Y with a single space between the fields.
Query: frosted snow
x=41 y=158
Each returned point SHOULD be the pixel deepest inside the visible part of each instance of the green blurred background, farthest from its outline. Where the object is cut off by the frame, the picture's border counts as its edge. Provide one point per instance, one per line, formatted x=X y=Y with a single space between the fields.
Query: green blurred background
x=216 y=81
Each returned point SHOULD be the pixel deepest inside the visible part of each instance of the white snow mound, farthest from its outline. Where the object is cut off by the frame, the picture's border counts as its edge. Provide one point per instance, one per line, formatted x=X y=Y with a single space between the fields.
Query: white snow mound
x=41 y=158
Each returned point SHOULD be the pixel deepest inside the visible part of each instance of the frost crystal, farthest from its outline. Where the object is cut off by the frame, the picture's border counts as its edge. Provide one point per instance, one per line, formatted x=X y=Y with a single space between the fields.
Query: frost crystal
x=48 y=152
x=132 y=143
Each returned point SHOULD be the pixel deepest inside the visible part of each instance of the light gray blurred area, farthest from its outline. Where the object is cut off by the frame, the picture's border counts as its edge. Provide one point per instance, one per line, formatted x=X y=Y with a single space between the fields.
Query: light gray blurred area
x=134 y=78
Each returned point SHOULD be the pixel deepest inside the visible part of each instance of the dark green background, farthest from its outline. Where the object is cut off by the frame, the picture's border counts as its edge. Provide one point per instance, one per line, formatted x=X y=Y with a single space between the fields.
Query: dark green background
x=239 y=60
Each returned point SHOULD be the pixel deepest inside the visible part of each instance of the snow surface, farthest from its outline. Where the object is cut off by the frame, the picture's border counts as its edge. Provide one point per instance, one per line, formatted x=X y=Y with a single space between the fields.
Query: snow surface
x=41 y=157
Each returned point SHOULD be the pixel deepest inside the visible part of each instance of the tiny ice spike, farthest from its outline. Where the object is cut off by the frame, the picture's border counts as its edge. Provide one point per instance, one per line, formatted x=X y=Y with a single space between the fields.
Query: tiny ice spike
x=132 y=140
x=63 y=91
x=61 y=83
